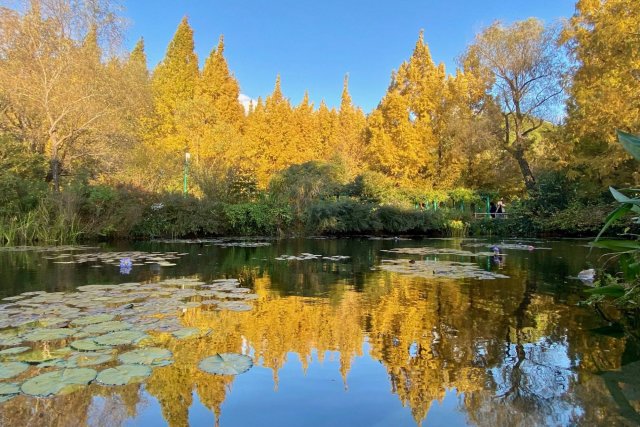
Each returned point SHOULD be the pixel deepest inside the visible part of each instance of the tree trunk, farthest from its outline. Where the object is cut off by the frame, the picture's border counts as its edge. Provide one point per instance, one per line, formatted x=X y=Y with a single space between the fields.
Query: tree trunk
x=525 y=169
x=55 y=174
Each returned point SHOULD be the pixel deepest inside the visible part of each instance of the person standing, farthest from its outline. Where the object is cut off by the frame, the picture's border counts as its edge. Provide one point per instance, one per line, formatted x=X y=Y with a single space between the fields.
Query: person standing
x=500 y=211
x=492 y=209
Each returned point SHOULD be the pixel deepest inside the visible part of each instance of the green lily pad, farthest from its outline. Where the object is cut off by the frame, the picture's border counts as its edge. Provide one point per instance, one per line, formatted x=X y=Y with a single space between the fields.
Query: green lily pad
x=90 y=320
x=226 y=364
x=189 y=333
x=120 y=338
x=147 y=356
x=103 y=328
x=39 y=355
x=10 y=341
x=90 y=359
x=88 y=345
x=14 y=350
x=9 y=388
x=57 y=363
x=51 y=321
x=12 y=369
x=124 y=374
x=46 y=334
x=234 y=306
x=58 y=382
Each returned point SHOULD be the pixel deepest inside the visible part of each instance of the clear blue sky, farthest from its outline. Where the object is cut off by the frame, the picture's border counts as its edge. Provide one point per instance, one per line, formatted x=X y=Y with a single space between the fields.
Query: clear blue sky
x=313 y=44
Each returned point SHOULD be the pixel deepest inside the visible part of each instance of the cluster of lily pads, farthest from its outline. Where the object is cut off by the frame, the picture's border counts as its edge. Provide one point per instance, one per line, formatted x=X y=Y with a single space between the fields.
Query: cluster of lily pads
x=41 y=249
x=307 y=256
x=437 y=251
x=501 y=246
x=243 y=244
x=56 y=342
x=162 y=259
x=439 y=269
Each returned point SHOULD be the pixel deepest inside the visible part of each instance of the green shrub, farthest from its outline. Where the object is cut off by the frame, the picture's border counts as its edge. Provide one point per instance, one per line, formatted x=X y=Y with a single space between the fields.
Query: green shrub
x=257 y=218
x=349 y=216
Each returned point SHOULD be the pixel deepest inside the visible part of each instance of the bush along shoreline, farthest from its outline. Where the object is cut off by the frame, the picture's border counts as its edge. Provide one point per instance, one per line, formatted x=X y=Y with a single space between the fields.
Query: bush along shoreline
x=306 y=199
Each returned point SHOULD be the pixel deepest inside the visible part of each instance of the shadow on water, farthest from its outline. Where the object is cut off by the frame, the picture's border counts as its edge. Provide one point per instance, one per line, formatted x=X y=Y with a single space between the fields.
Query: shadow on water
x=344 y=343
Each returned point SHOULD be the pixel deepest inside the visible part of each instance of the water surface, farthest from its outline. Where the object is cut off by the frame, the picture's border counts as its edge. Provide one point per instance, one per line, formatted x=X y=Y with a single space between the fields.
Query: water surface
x=343 y=343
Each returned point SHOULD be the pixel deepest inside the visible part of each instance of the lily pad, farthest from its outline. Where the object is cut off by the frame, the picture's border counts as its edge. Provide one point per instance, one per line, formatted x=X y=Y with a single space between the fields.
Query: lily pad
x=14 y=350
x=46 y=334
x=90 y=359
x=147 y=356
x=87 y=345
x=12 y=369
x=120 y=338
x=439 y=269
x=8 y=390
x=188 y=333
x=58 y=382
x=40 y=355
x=103 y=328
x=90 y=320
x=124 y=374
x=234 y=306
x=7 y=341
x=226 y=364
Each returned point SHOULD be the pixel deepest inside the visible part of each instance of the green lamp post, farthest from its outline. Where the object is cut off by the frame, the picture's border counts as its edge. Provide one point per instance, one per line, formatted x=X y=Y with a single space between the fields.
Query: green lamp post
x=187 y=157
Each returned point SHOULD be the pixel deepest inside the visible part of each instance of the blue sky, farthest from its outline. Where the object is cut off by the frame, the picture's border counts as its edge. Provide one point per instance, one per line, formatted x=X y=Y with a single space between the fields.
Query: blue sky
x=313 y=44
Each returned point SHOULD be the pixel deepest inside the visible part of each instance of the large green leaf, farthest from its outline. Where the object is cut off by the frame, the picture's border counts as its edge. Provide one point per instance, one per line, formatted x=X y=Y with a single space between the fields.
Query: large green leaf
x=630 y=142
x=622 y=198
x=614 y=291
x=618 y=245
x=613 y=216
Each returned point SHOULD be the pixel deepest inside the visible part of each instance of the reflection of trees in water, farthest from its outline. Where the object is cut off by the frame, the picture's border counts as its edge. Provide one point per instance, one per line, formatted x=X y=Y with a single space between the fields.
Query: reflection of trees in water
x=94 y=405
x=517 y=356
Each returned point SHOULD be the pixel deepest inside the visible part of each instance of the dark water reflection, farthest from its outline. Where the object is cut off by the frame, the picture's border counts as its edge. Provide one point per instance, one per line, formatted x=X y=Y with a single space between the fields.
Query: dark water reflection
x=341 y=343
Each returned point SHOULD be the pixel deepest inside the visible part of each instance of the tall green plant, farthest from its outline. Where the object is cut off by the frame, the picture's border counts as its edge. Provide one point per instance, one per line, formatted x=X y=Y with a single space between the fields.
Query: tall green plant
x=625 y=294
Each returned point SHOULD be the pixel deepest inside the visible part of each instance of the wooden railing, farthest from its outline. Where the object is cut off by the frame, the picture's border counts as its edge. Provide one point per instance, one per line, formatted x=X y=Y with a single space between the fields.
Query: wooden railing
x=480 y=215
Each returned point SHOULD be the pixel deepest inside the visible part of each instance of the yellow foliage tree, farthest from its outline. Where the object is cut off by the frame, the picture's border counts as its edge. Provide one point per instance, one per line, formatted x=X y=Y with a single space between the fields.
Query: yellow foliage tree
x=604 y=93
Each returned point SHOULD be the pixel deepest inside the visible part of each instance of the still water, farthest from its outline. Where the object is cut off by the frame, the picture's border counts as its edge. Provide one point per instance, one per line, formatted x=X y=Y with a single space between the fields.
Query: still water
x=340 y=342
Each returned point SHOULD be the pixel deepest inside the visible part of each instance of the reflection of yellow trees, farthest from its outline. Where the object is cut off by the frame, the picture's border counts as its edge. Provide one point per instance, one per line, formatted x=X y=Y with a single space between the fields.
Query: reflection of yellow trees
x=112 y=407
x=511 y=350
x=432 y=337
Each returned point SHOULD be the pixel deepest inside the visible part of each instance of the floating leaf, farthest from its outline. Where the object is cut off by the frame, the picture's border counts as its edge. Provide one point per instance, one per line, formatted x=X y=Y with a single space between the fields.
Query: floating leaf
x=147 y=356
x=188 y=333
x=14 y=350
x=12 y=369
x=103 y=328
x=8 y=391
x=226 y=364
x=234 y=306
x=87 y=345
x=439 y=269
x=124 y=374
x=41 y=355
x=10 y=341
x=120 y=338
x=46 y=334
x=90 y=320
x=90 y=359
x=58 y=382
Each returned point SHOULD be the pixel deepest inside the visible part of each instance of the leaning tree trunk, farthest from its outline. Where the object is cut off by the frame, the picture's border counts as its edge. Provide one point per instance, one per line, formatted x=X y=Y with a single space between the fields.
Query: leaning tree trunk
x=525 y=169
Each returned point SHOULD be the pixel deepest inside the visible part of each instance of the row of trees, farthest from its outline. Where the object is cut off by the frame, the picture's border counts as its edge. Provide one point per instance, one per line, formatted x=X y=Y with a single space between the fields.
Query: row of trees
x=72 y=99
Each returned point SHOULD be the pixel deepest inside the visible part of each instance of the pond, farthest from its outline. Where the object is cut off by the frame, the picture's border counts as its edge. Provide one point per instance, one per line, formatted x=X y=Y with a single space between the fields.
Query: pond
x=326 y=332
